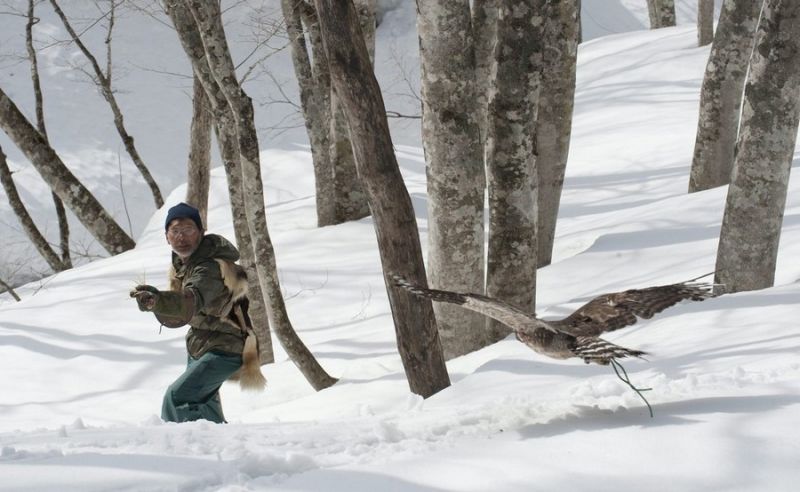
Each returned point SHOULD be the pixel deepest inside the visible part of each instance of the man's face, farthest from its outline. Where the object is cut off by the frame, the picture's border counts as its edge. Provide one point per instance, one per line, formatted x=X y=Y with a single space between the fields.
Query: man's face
x=183 y=236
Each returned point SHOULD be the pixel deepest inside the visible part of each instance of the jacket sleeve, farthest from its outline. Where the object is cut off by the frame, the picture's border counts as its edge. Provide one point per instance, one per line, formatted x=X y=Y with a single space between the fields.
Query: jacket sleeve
x=206 y=283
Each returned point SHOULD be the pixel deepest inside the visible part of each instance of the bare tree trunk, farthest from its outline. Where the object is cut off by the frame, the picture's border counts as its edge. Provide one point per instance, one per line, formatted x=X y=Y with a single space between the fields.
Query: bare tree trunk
x=554 y=121
x=351 y=200
x=395 y=224
x=456 y=179
x=229 y=152
x=751 y=226
x=511 y=158
x=315 y=87
x=36 y=237
x=721 y=95
x=104 y=83
x=662 y=13
x=79 y=199
x=208 y=19
x=61 y=214
x=484 y=31
x=199 y=166
x=705 y=22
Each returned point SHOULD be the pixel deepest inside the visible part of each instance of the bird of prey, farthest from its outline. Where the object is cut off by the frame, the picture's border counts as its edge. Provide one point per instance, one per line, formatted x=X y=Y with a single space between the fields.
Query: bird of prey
x=577 y=335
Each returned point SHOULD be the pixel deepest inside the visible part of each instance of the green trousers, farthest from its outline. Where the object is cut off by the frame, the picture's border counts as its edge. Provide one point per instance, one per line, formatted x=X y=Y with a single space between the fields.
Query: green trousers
x=195 y=394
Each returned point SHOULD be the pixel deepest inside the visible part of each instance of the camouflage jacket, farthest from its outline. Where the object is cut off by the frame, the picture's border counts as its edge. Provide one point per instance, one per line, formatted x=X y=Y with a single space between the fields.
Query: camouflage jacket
x=216 y=283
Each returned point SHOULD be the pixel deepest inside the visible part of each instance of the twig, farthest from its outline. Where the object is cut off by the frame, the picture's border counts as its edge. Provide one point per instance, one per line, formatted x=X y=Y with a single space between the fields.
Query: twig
x=122 y=193
x=625 y=379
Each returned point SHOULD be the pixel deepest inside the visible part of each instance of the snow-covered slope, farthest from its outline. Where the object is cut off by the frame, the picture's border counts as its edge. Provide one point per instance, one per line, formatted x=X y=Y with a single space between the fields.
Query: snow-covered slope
x=84 y=371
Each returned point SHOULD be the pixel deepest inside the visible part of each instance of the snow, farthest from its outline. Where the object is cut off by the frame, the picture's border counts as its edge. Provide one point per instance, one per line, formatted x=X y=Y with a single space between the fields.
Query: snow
x=84 y=371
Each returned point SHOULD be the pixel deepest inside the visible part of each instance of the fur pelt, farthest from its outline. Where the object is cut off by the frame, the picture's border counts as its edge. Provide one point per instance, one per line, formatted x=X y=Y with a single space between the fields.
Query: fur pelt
x=235 y=312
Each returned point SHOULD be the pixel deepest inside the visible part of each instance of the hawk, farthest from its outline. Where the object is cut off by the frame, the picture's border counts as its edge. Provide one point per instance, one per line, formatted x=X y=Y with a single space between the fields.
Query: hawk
x=577 y=335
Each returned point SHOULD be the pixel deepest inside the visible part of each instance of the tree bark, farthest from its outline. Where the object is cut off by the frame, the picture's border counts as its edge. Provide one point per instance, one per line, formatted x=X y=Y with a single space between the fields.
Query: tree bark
x=208 y=19
x=395 y=223
x=351 y=200
x=554 y=121
x=104 y=84
x=33 y=233
x=705 y=22
x=75 y=196
x=315 y=87
x=456 y=179
x=721 y=95
x=199 y=165
x=511 y=158
x=662 y=13
x=751 y=226
x=225 y=127
x=484 y=31
x=61 y=214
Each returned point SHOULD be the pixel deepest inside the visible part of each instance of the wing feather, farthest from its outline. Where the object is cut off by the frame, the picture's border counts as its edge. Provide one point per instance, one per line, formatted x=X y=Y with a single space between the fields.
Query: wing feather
x=613 y=311
x=514 y=318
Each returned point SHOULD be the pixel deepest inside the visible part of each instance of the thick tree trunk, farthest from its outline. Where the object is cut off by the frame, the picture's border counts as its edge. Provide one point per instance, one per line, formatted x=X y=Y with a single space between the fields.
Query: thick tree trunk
x=104 y=84
x=25 y=220
x=662 y=13
x=199 y=166
x=208 y=18
x=315 y=87
x=395 y=223
x=511 y=158
x=456 y=179
x=351 y=200
x=75 y=196
x=721 y=95
x=751 y=226
x=484 y=31
x=554 y=121
x=705 y=22
x=61 y=214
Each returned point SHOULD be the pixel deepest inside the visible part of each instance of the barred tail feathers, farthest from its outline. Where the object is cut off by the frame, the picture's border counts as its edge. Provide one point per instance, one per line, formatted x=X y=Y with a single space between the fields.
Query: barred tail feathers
x=432 y=294
x=599 y=351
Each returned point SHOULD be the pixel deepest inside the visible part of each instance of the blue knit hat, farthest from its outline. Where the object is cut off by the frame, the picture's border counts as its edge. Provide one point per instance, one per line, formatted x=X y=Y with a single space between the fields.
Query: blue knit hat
x=184 y=211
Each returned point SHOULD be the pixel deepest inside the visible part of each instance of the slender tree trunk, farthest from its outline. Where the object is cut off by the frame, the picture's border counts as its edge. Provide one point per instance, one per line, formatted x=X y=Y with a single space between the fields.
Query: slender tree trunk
x=511 y=157
x=208 y=19
x=395 y=223
x=199 y=166
x=61 y=214
x=227 y=141
x=456 y=180
x=104 y=83
x=79 y=199
x=554 y=121
x=751 y=226
x=233 y=170
x=721 y=95
x=705 y=22
x=10 y=290
x=315 y=87
x=662 y=13
x=36 y=237
x=351 y=200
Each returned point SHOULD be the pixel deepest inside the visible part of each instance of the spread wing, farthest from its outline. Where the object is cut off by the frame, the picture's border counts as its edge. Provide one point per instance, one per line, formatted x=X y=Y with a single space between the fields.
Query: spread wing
x=613 y=311
x=514 y=318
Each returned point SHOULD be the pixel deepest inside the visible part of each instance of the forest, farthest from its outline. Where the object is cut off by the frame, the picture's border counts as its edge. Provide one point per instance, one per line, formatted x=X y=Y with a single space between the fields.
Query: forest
x=420 y=194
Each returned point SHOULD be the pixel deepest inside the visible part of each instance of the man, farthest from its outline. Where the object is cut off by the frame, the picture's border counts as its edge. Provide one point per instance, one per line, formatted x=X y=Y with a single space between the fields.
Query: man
x=207 y=291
